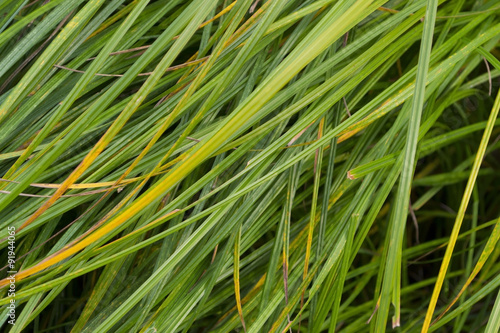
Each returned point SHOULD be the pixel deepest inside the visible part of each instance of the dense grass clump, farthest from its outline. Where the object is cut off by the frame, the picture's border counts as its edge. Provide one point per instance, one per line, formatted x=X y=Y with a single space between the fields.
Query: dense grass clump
x=250 y=165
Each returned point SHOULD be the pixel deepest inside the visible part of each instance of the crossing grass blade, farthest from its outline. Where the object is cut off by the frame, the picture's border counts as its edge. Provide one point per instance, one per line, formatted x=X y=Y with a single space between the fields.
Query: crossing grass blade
x=461 y=212
x=391 y=280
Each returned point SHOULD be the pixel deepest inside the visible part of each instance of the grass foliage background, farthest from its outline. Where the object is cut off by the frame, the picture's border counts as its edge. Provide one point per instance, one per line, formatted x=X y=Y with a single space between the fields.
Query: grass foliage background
x=257 y=166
